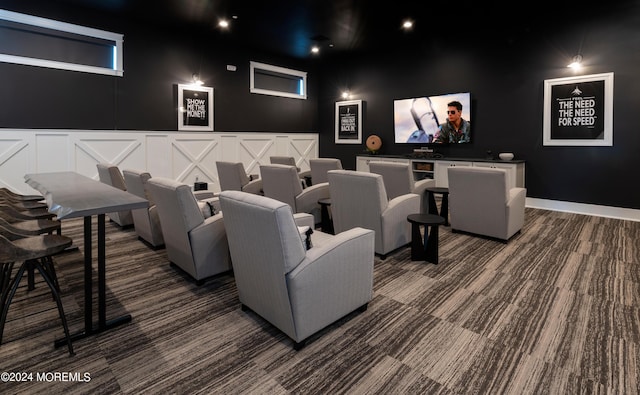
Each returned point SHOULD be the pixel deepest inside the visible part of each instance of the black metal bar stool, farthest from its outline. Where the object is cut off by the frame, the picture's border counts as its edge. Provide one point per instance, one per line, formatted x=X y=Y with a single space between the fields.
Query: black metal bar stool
x=30 y=250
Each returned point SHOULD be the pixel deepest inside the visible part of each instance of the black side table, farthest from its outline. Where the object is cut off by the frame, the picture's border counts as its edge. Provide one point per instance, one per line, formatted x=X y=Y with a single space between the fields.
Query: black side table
x=427 y=249
x=326 y=222
x=444 y=209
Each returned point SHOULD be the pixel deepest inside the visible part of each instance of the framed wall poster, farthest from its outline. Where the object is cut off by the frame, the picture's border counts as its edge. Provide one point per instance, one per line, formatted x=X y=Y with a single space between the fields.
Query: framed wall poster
x=349 y=122
x=579 y=110
x=195 y=108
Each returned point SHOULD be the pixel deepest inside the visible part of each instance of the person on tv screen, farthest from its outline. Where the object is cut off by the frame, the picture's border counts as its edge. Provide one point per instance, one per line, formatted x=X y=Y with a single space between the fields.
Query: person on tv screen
x=455 y=129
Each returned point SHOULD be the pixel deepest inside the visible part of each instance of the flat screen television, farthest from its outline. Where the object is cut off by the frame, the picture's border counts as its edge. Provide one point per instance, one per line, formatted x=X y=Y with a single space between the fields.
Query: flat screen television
x=419 y=120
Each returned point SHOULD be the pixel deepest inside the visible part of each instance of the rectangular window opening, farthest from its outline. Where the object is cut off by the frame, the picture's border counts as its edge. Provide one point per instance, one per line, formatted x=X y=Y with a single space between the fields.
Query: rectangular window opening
x=35 y=41
x=277 y=81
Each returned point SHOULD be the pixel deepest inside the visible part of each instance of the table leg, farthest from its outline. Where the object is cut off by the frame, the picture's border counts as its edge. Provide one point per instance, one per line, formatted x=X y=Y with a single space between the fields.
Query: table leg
x=88 y=276
x=444 y=209
x=417 y=247
x=431 y=244
x=433 y=208
x=102 y=293
x=327 y=224
x=103 y=324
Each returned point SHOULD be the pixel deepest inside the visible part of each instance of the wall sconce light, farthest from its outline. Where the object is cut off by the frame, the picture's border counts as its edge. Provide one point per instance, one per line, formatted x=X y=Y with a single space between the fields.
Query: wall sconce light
x=196 y=79
x=576 y=62
x=346 y=95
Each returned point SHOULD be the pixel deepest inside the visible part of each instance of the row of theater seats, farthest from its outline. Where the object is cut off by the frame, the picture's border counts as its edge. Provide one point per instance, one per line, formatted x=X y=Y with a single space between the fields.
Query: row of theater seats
x=178 y=219
x=282 y=180
x=363 y=199
x=232 y=176
x=277 y=181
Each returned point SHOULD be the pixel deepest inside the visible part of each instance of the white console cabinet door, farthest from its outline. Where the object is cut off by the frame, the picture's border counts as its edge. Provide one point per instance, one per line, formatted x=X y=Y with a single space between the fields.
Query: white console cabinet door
x=515 y=172
x=442 y=166
x=362 y=162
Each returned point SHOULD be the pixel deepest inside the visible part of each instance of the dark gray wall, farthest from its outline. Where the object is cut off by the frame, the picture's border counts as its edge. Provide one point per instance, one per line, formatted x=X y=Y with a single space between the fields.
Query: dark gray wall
x=156 y=59
x=506 y=78
x=504 y=74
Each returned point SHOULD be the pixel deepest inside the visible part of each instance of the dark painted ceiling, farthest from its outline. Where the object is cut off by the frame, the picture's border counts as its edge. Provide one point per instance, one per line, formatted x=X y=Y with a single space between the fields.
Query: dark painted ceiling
x=291 y=27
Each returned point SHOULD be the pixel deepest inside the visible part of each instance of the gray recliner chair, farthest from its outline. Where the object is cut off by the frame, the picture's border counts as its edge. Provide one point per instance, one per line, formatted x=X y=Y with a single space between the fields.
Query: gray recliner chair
x=195 y=244
x=320 y=167
x=360 y=199
x=233 y=177
x=398 y=180
x=298 y=290
x=110 y=174
x=281 y=182
x=145 y=220
x=480 y=203
x=289 y=161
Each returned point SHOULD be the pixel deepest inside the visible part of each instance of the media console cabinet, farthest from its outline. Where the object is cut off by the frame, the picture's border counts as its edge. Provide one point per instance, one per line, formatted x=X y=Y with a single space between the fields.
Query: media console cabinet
x=437 y=168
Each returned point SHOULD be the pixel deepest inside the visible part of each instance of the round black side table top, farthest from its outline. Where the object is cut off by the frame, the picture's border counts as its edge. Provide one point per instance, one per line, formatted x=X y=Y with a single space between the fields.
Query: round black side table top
x=438 y=189
x=425 y=219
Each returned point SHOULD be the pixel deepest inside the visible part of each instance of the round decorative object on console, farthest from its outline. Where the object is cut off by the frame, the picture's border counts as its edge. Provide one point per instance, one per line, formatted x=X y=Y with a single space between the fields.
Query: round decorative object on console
x=374 y=143
x=506 y=155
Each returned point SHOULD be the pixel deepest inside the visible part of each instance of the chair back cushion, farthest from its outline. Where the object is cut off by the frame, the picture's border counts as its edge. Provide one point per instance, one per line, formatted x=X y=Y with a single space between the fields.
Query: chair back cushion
x=135 y=183
x=357 y=199
x=145 y=220
x=265 y=244
x=231 y=175
x=179 y=213
x=284 y=160
x=110 y=175
x=320 y=167
x=478 y=199
x=398 y=177
x=281 y=182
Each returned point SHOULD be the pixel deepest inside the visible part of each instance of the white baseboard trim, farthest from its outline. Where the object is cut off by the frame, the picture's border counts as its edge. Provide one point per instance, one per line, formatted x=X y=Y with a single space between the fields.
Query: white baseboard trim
x=586 y=209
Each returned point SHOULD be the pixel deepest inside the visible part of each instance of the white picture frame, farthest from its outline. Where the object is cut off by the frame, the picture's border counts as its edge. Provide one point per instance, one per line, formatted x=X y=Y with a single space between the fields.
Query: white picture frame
x=348 y=126
x=195 y=108
x=578 y=111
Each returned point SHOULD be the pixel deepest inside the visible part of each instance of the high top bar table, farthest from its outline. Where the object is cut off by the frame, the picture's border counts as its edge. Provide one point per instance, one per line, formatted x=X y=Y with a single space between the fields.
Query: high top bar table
x=72 y=195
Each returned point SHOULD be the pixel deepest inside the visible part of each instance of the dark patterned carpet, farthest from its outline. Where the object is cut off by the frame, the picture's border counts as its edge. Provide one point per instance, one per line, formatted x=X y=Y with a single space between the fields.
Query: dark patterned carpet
x=556 y=310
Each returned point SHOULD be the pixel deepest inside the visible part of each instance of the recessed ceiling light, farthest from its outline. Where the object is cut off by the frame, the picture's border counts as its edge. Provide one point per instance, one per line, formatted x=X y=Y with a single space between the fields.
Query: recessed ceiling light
x=315 y=49
x=223 y=23
x=407 y=24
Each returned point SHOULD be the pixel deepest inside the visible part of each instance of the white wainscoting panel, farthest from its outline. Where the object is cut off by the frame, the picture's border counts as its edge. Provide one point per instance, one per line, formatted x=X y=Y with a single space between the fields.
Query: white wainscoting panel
x=178 y=155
